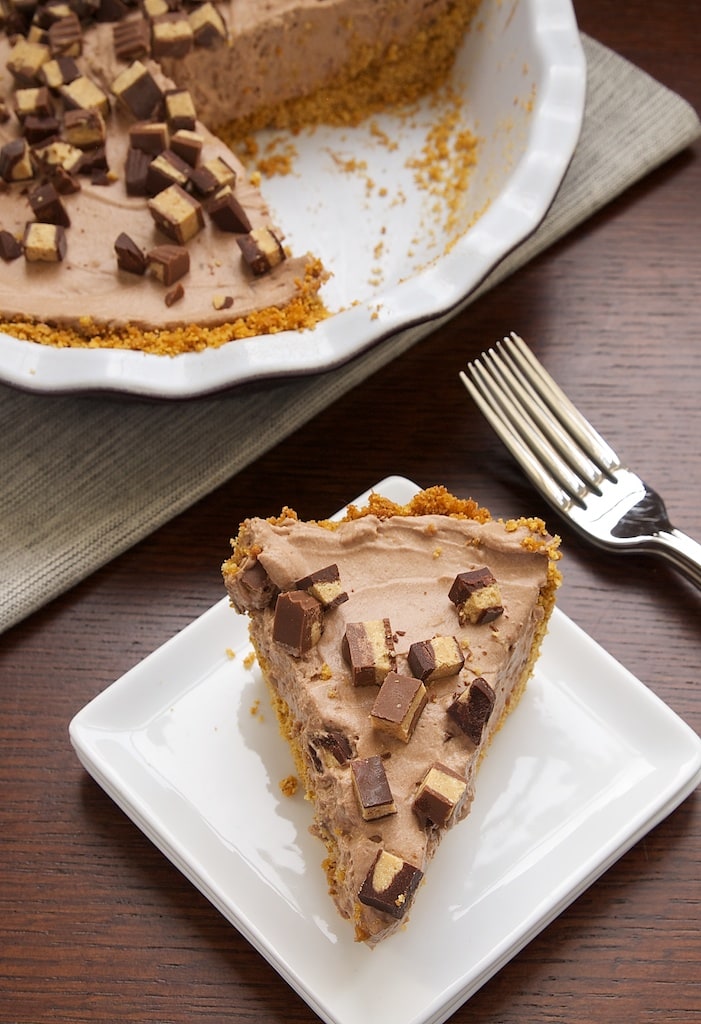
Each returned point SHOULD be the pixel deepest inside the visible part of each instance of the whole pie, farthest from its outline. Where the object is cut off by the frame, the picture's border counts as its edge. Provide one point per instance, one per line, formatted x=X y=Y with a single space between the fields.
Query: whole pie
x=126 y=219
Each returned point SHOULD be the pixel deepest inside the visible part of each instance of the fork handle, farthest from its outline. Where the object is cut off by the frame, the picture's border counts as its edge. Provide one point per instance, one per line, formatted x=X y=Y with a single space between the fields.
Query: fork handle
x=679 y=549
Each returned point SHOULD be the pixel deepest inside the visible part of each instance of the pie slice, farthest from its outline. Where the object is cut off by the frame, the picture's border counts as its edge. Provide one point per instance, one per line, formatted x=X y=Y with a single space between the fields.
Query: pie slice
x=394 y=643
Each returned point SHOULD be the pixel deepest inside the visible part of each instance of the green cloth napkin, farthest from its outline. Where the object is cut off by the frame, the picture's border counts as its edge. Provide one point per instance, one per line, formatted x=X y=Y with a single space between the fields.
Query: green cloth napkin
x=84 y=478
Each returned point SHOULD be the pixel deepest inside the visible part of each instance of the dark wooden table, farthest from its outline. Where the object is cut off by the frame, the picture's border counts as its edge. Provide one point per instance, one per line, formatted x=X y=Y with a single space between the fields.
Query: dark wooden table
x=95 y=924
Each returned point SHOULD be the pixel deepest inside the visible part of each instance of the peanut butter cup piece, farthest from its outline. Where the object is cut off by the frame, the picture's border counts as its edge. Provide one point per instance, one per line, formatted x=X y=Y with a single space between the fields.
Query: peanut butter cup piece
x=371 y=788
x=476 y=596
x=368 y=647
x=439 y=796
x=168 y=263
x=298 y=622
x=261 y=250
x=10 y=247
x=436 y=658
x=177 y=214
x=390 y=884
x=472 y=708
x=130 y=256
x=44 y=243
x=325 y=585
x=398 y=705
x=47 y=206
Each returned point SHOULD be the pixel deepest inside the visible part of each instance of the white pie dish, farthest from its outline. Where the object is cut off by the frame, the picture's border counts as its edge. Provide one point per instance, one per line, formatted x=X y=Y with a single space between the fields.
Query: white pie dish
x=522 y=76
x=187 y=746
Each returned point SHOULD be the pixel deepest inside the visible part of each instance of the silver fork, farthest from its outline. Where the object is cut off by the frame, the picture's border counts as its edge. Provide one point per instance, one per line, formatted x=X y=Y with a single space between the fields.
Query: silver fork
x=569 y=462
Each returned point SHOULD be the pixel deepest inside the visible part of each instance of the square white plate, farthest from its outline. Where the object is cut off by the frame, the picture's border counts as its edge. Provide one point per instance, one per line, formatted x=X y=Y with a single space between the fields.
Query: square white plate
x=187 y=746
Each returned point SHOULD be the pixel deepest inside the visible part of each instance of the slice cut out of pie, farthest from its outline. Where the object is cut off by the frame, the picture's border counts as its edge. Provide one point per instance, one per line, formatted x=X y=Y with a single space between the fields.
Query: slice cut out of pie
x=394 y=643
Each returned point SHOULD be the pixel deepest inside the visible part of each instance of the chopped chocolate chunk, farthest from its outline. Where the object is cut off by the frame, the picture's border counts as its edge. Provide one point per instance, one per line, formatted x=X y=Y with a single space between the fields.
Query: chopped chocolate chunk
x=325 y=586
x=390 y=884
x=56 y=153
x=261 y=250
x=38 y=130
x=222 y=301
x=111 y=10
x=47 y=206
x=35 y=100
x=15 y=161
x=371 y=788
x=207 y=24
x=476 y=596
x=439 y=796
x=10 y=247
x=369 y=649
x=227 y=213
x=138 y=92
x=164 y=170
x=136 y=169
x=149 y=136
x=171 y=35
x=131 y=39
x=174 y=295
x=66 y=184
x=129 y=256
x=94 y=163
x=84 y=94
x=177 y=214
x=298 y=622
x=259 y=590
x=398 y=705
x=179 y=110
x=59 y=71
x=212 y=176
x=435 y=659
x=331 y=744
x=168 y=263
x=471 y=709
x=66 y=37
x=25 y=61
x=187 y=145
x=44 y=243
x=84 y=128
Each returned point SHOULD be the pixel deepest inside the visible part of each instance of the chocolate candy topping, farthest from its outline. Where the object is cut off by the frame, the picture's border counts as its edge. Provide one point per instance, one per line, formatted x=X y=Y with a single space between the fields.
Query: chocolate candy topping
x=129 y=256
x=168 y=263
x=471 y=709
x=10 y=248
x=227 y=213
x=44 y=243
x=261 y=250
x=476 y=596
x=369 y=649
x=298 y=622
x=331 y=744
x=372 y=788
x=435 y=659
x=325 y=586
x=259 y=589
x=47 y=206
x=439 y=796
x=137 y=91
x=398 y=706
x=390 y=884
x=177 y=214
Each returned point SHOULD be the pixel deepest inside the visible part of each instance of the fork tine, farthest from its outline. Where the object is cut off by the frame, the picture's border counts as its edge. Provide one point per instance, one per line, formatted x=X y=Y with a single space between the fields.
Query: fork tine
x=589 y=439
x=542 y=416
x=522 y=437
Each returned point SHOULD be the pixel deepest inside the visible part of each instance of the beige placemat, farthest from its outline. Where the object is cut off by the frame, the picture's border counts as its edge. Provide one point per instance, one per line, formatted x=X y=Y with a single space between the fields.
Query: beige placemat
x=83 y=479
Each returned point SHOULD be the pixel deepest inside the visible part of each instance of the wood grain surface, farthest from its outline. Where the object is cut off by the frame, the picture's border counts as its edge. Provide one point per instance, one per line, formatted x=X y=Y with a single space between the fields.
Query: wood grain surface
x=95 y=924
